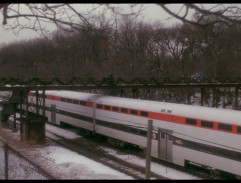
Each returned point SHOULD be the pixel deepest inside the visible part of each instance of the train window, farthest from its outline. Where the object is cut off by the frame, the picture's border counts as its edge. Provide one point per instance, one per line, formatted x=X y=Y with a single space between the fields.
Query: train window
x=75 y=101
x=163 y=136
x=107 y=107
x=106 y=124
x=99 y=106
x=124 y=128
x=69 y=100
x=207 y=124
x=239 y=129
x=191 y=121
x=206 y=148
x=223 y=152
x=132 y=130
x=143 y=133
x=133 y=111
x=170 y=138
x=192 y=145
x=115 y=126
x=238 y=155
x=169 y=111
x=115 y=108
x=82 y=103
x=225 y=127
x=98 y=122
x=124 y=110
x=62 y=99
x=143 y=113
x=163 y=110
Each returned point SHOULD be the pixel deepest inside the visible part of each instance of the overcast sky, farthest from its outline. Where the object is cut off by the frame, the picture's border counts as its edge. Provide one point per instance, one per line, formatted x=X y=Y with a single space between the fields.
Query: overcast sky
x=152 y=12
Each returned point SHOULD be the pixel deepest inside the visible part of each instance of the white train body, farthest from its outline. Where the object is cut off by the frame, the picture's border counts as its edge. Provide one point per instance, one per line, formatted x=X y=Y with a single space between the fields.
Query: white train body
x=207 y=136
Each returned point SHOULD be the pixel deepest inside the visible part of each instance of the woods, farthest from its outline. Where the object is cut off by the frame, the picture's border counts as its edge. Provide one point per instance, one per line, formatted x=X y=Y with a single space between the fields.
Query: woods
x=206 y=45
x=131 y=49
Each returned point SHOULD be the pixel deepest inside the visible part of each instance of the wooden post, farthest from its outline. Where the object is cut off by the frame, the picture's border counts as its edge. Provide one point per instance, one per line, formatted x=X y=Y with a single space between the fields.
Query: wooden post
x=43 y=96
x=6 y=160
x=14 y=116
x=21 y=113
x=236 y=98
x=148 y=149
x=214 y=98
x=202 y=93
x=37 y=104
x=26 y=106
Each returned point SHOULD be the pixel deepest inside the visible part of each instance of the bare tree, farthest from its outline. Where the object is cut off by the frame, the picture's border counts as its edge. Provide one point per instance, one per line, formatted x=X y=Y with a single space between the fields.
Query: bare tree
x=64 y=16
x=68 y=16
x=196 y=14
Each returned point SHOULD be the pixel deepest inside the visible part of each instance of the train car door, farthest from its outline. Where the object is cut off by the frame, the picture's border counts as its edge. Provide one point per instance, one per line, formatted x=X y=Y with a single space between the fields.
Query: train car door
x=53 y=113
x=165 y=142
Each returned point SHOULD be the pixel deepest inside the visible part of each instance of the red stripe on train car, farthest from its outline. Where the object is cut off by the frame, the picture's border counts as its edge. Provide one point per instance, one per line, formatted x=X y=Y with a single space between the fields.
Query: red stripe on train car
x=167 y=117
x=57 y=98
x=89 y=104
x=48 y=97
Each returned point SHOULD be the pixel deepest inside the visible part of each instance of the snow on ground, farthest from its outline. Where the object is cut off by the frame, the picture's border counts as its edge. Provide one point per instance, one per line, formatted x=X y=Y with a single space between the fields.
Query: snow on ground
x=65 y=164
x=157 y=168
x=70 y=165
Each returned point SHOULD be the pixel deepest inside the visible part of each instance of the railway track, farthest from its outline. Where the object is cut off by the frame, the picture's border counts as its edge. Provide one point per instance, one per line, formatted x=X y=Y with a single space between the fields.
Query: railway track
x=100 y=156
x=92 y=148
x=85 y=147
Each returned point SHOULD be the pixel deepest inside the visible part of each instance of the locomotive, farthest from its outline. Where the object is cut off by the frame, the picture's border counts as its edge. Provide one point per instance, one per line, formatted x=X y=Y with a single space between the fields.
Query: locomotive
x=181 y=133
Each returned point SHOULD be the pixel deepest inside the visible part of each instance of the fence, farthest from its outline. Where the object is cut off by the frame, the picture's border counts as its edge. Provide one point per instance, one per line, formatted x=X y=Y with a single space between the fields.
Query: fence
x=14 y=166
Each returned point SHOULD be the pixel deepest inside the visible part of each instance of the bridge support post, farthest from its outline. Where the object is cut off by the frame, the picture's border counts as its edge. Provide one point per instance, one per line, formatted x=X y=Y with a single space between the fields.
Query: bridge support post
x=33 y=131
x=14 y=127
x=33 y=126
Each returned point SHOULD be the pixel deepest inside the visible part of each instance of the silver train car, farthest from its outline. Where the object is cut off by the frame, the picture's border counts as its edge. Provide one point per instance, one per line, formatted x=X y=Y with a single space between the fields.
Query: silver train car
x=181 y=134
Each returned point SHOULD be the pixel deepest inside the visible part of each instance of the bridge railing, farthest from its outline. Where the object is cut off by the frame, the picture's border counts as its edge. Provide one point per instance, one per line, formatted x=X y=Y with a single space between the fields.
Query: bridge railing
x=9 y=83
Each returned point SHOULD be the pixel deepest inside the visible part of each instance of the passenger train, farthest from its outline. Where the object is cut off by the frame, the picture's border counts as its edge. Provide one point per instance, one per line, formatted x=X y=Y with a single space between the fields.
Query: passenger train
x=181 y=134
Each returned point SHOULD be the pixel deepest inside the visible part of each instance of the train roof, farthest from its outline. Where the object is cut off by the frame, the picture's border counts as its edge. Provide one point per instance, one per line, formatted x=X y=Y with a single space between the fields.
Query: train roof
x=191 y=111
x=70 y=94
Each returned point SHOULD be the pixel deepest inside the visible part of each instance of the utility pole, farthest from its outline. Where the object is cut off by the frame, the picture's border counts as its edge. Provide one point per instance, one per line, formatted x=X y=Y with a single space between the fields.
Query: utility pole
x=236 y=98
x=0 y=119
x=202 y=95
x=148 y=149
x=14 y=117
x=73 y=62
x=6 y=160
x=37 y=102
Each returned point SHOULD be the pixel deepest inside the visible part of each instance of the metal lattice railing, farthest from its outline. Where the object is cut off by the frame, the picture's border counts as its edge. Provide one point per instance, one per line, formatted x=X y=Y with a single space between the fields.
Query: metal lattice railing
x=118 y=81
x=14 y=166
